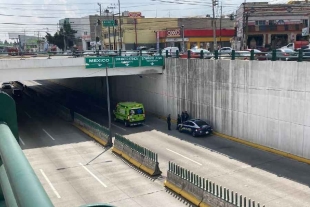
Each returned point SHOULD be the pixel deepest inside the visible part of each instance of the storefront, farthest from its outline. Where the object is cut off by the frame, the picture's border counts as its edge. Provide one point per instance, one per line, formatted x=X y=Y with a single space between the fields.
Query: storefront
x=192 y=38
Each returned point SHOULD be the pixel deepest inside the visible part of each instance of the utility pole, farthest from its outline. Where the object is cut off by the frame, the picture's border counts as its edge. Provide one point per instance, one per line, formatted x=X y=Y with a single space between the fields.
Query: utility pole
x=214 y=4
x=113 y=31
x=99 y=4
x=135 y=21
x=183 y=44
x=38 y=41
x=221 y=25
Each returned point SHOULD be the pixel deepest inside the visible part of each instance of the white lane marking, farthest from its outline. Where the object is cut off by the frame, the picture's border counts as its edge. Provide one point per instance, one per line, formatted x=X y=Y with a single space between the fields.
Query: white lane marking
x=22 y=141
x=27 y=114
x=119 y=127
x=51 y=185
x=184 y=156
x=104 y=185
x=48 y=134
x=146 y=125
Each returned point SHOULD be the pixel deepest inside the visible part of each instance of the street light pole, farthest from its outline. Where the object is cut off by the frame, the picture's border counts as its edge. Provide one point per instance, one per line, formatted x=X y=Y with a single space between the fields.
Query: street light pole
x=108 y=102
x=183 y=44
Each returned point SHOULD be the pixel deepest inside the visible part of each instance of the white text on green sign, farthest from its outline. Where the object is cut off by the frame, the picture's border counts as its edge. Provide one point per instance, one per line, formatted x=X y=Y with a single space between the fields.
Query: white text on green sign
x=152 y=61
x=98 y=62
x=127 y=61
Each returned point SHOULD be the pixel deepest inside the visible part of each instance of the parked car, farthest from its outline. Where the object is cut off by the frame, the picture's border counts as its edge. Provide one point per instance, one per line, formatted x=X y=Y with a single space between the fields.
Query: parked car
x=225 y=50
x=171 y=51
x=284 y=54
x=195 y=53
x=259 y=55
x=6 y=85
x=195 y=127
x=239 y=55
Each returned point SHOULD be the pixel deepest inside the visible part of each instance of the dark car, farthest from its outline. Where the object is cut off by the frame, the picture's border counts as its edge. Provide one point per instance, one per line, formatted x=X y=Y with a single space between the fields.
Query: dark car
x=6 y=85
x=195 y=127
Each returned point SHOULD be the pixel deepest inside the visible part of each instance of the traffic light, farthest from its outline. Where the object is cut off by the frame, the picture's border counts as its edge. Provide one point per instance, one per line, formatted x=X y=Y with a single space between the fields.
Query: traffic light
x=97 y=39
x=98 y=21
x=231 y=17
x=115 y=22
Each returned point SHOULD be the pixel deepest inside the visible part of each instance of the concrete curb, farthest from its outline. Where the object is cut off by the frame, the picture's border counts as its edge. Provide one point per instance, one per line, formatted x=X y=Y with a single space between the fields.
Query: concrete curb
x=264 y=148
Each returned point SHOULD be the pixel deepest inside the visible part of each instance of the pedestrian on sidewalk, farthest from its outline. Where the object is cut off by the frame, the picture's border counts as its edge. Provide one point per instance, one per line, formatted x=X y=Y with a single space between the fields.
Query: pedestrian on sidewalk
x=179 y=119
x=169 y=122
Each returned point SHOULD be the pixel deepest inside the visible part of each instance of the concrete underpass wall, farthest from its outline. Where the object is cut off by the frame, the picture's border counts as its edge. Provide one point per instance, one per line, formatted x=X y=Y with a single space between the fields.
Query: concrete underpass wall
x=264 y=102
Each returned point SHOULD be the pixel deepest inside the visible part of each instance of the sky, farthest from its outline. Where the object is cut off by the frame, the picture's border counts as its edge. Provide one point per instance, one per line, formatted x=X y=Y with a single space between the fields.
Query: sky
x=36 y=17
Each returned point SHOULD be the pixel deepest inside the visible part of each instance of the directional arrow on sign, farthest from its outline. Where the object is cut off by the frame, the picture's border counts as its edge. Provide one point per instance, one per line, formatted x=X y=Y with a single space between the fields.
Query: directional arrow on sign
x=99 y=65
x=126 y=64
x=152 y=63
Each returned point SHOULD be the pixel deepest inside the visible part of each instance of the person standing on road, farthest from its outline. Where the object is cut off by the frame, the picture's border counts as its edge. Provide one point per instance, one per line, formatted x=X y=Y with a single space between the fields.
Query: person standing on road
x=179 y=120
x=169 y=122
x=183 y=117
x=186 y=116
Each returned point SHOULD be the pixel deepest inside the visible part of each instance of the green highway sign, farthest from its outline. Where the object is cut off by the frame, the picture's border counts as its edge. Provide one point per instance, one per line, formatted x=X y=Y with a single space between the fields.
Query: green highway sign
x=98 y=62
x=152 y=61
x=108 y=23
x=130 y=61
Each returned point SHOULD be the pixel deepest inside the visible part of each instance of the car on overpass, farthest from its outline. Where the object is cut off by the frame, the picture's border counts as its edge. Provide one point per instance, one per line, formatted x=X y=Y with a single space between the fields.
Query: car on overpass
x=130 y=113
x=195 y=127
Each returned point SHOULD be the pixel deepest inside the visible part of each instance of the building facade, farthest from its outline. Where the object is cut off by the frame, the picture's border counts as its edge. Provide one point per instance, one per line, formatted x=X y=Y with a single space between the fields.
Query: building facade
x=260 y=24
x=163 y=32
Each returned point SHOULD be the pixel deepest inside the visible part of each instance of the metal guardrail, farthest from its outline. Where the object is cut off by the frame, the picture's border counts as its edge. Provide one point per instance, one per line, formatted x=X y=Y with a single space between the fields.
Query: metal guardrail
x=251 y=55
x=142 y=150
x=243 y=55
x=19 y=183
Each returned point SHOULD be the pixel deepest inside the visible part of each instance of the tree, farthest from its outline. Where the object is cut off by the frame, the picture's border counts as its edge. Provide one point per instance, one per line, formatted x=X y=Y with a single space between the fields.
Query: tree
x=64 y=38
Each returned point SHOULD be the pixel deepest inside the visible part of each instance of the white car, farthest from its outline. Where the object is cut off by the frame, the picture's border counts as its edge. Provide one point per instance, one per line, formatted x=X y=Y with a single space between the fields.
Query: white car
x=225 y=50
x=171 y=51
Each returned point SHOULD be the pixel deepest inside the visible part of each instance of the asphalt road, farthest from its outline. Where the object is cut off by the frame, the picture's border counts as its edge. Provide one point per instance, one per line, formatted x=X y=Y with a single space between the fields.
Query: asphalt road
x=74 y=170
x=264 y=177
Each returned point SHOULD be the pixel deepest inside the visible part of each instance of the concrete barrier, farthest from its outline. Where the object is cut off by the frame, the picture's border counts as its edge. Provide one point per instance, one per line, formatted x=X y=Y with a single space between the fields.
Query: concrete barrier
x=150 y=166
x=127 y=152
x=92 y=129
x=117 y=147
x=202 y=192
x=140 y=157
x=64 y=112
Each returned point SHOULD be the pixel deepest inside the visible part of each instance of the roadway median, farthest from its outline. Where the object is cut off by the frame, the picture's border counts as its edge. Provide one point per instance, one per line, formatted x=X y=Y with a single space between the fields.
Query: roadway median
x=202 y=192
x=92 y=129
x=142 y=158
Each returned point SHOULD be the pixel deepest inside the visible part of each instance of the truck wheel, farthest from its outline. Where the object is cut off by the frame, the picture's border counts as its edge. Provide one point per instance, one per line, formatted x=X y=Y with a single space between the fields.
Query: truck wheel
x=126 y=123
